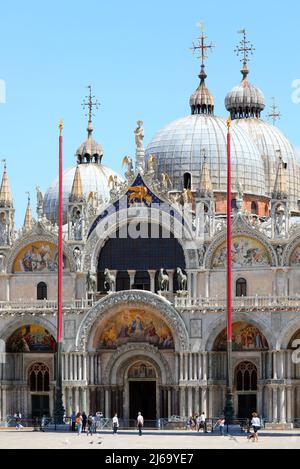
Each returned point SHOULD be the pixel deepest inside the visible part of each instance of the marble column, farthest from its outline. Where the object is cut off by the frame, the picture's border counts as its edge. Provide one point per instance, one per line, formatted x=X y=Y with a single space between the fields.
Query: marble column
x=289 y=401
x=275 y=413
x=189 y=283
x=84 y=377
x=71 y=367
x=204 y=400
x=282 y=404
x=206 y=284
x=152 y=280
x=92 y=368
x=107 y=403
x=195 y=284
x=190 y=366
x=259 y=399
x=190 y=401
x=171 y=285
x=204 y=365
x=76 y=400
x=66 y=373
x=182 y=402
x=186 y=370
x=196 y=405
x=169 y=402
x=131 y=274
x=275 y=364
x=181 y=366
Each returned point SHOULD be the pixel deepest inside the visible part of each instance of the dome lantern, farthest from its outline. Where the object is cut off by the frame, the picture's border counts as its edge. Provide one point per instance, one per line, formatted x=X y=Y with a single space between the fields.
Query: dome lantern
x=245 y=100
x=202 y=101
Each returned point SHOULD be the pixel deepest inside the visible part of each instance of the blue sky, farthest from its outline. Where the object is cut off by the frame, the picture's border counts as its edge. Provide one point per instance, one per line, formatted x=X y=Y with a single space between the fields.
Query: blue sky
x=136 y=56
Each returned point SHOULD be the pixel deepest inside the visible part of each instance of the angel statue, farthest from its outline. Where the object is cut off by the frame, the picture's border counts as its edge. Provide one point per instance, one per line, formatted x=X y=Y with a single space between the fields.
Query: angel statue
x=186 y=196
x=139 y=135
x=151 y=163
x=166 y=182
x=114 y=184
x=128 y=161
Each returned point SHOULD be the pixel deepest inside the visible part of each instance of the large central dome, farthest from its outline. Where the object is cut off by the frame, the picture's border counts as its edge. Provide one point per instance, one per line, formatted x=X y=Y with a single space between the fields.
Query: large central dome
x=181 y=145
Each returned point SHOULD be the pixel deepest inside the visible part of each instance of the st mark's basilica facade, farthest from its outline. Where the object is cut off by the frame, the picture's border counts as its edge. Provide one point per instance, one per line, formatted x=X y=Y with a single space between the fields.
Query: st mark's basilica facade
x=144 y=282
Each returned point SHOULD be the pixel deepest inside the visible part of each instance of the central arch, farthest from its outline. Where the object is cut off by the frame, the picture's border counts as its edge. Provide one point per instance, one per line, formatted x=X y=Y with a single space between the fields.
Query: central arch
x=133 y=299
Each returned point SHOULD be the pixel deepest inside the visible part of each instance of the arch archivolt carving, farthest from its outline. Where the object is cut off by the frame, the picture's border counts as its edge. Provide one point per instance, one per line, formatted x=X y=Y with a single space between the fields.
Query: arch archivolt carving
x=135 y=299
x=124 y=357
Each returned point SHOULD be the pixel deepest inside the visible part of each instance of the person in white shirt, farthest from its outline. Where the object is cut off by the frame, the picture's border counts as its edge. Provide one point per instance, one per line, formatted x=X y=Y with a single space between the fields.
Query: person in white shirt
x=115 y=424
x=140 y=423
x=255 y=423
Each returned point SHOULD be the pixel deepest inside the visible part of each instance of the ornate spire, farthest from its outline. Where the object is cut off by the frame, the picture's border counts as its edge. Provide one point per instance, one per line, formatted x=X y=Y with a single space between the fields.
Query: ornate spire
x=205 y=181
x=77 y=190
x=244 y=48
x=280 y=187
x=6 y=199
x=244 y=100
x=90 y=103
x=89 y=151
x=28 y=215
x=274 y=113
x=202 y=101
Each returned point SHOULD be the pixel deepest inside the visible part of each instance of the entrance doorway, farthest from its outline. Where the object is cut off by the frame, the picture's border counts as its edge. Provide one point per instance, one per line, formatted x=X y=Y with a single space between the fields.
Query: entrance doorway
x=40 y=405
x=142 y=398
x=246 y=405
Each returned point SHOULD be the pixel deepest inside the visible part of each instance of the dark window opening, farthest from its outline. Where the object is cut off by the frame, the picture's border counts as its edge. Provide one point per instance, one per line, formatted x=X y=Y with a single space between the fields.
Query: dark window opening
x=187 y=181
x=41 y=291
x=241 y=287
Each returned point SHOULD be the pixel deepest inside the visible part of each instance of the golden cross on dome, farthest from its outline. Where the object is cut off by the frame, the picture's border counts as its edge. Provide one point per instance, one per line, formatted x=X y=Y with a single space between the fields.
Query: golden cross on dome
x=90 y=103
x=244 y=48
x=200 y=45
x=274 y=114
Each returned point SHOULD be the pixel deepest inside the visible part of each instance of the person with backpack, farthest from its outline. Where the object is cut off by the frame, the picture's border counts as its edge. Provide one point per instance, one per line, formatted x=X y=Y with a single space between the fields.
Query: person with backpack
x=256 y=425
x=140 y=423
x=73 y=421
x=84 y=420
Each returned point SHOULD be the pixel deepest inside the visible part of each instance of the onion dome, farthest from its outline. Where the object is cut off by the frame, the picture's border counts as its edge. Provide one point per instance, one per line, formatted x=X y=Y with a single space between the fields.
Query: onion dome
x=202 y=101
x=245 y=99
x=89 y=151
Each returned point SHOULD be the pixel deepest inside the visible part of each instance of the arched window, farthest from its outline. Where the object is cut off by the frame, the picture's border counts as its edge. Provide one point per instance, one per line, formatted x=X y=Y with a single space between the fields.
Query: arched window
x=39 y=377
x=122 y=280
x=142 y=280
x=41 y=291
x=187 y=181
x=241 y=287
x=253 y=208
x=246 y=377
x=233 y=204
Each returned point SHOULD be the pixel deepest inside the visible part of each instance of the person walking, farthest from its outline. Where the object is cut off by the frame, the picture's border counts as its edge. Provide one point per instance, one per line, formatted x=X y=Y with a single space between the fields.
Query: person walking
x=73 y=421
x=140 y=423
x=84 y=420
x=256 y=425
x=202 y=422
x=90 y=425
x=115 y=424
x=79 y=423
x=18 y=418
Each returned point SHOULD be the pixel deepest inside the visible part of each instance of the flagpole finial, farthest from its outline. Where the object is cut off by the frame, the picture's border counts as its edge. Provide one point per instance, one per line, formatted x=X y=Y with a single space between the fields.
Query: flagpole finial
x=60 y=127
x=228 y=122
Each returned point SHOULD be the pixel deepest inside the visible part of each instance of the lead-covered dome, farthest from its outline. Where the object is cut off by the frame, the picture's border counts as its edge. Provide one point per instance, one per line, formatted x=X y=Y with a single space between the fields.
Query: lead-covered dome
x=94 y=178
x=271 y=143
x=180 y=147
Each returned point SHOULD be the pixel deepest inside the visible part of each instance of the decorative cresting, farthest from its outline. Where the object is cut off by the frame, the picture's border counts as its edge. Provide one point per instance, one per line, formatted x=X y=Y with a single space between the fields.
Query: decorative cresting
x=240 y=227
x=291 y=253
x=36 y=235
x=129 y=354
x=136 y=299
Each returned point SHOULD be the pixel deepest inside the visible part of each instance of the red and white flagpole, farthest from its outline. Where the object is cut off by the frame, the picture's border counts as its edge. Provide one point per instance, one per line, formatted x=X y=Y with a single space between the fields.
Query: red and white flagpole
x=59 y=408
x=229 y=410
x=60 y=238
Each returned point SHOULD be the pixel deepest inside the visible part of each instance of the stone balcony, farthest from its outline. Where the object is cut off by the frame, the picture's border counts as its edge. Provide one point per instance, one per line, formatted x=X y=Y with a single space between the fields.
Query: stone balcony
x=248 y=303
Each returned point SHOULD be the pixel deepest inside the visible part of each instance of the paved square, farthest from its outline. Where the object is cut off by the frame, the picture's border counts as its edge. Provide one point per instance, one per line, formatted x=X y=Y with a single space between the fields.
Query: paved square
x=12 y=439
